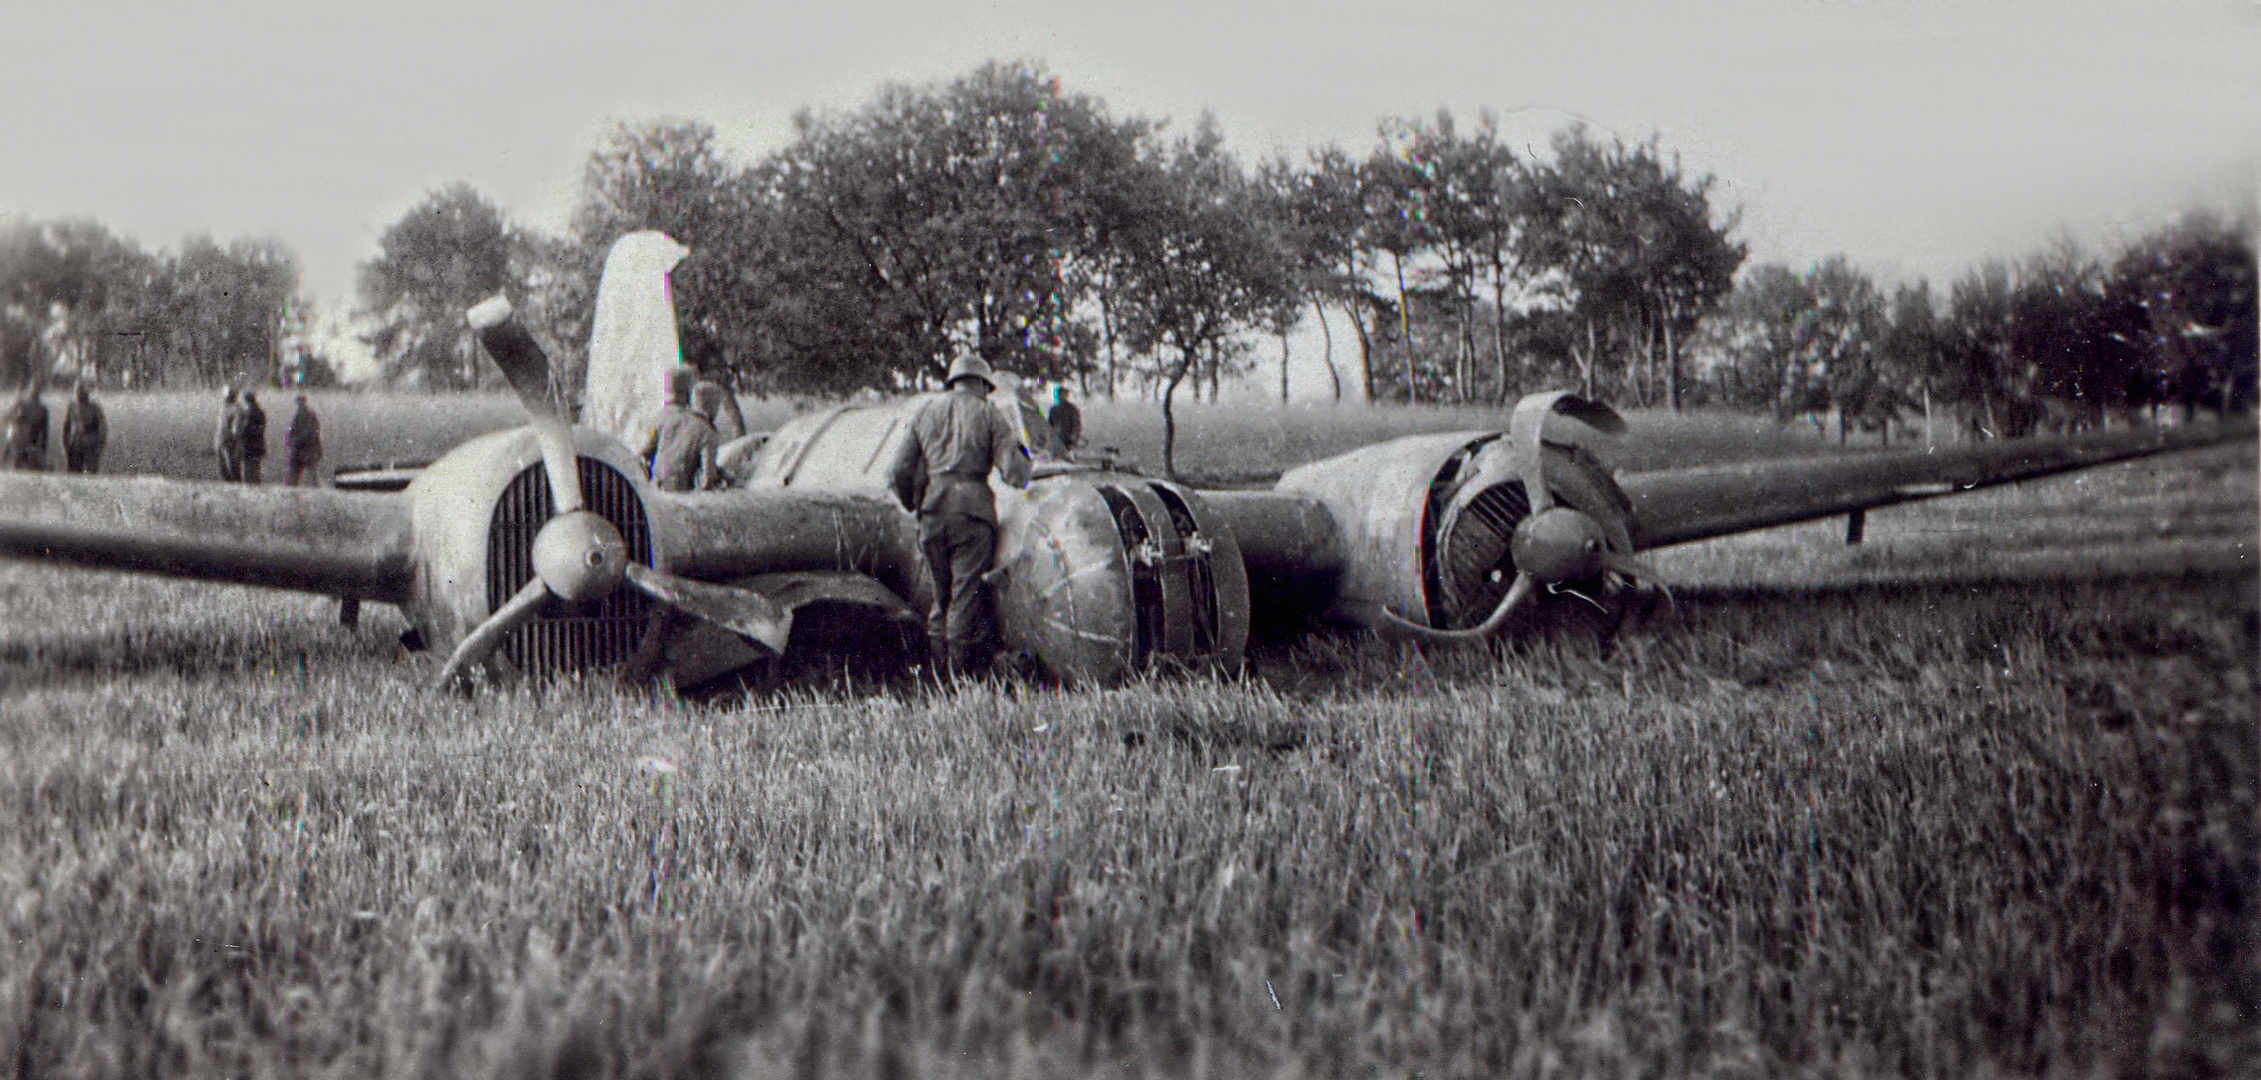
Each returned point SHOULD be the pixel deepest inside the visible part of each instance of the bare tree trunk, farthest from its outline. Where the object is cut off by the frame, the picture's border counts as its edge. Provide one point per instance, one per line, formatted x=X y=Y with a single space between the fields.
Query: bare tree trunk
x=1170 y=416
x=1592 y=358
x=1107 y=330
x=1468 y=330
x=1327 y=337
x=1499 y=335
x=1405 y=327
x=1365 y=352
x=1283 y=367
x=1672 y=366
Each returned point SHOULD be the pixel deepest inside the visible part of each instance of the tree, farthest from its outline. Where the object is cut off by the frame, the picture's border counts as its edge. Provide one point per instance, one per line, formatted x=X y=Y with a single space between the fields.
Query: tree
x=1395 y=190
x=444 y=255
x=2062 y=333
x=1200 y=268
x=1915 y=350
x=1637 y=252
x=671 y=177
x=224 y=311
x=1321 y=203
x=974 y=216
x=1834 y=348
x=2189 y=290
x=1750 y=339
x=1983 y=375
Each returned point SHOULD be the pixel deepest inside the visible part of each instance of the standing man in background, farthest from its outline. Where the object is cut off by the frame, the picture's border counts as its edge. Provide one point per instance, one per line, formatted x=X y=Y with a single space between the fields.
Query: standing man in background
x=1065 y=419
x=224 y=441
x=1035 y=431
x=303 y=443
x=957 y=438
x=84 y=432
x=679 y=453
x=251 y=437
x=27 y=431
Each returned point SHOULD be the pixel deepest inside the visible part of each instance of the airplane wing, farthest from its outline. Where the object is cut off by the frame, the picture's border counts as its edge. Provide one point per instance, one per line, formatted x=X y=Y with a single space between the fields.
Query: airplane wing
x=311 y=539
x=1677 y=506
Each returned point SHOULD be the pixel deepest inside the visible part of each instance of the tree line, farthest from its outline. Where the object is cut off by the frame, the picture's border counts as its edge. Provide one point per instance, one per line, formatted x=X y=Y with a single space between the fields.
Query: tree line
x=75 y=298
x=1001 y=215
x=2062 y=338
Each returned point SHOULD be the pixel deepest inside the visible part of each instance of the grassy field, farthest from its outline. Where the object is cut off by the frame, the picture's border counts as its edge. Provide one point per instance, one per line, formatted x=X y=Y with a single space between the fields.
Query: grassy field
x=1975 y=798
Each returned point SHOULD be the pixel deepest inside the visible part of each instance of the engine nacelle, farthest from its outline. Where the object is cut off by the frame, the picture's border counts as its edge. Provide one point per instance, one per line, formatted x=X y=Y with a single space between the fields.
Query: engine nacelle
x=470 y=562
x=1424 y=527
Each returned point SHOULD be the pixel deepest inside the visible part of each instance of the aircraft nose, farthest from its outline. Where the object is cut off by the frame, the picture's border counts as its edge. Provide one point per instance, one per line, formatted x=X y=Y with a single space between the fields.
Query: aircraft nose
x=580 y=556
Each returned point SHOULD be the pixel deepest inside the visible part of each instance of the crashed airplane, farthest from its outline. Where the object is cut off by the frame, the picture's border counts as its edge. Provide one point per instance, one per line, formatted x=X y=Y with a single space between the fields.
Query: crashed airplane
x=543 y=550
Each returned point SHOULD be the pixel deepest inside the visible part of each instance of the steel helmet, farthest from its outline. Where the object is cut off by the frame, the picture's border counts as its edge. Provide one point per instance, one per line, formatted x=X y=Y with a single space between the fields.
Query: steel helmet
x=970 y=367
x=706 y=399
x=678 y=383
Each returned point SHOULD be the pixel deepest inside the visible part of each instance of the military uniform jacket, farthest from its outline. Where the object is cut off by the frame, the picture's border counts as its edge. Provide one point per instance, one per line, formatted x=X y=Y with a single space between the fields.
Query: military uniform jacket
x=83 y=425
x=27 y=428
x=251 y=432
x=955 y=440
x=681 y=450
x=304 y=439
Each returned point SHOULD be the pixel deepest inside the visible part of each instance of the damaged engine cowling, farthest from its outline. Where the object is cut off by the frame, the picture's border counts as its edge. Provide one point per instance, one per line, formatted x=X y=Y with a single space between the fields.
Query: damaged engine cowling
x=1099 y=574
x=1421 y=530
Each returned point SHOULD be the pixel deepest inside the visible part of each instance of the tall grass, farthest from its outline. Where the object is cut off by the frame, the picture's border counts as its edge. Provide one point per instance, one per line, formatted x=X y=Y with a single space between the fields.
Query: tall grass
x=2000 y=821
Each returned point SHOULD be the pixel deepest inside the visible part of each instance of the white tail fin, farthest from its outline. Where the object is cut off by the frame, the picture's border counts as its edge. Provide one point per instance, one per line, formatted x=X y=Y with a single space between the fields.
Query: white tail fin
x=632 y=343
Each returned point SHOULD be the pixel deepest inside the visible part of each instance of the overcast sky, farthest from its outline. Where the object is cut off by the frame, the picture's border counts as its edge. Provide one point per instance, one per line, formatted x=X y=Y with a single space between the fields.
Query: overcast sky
x=1918 y=138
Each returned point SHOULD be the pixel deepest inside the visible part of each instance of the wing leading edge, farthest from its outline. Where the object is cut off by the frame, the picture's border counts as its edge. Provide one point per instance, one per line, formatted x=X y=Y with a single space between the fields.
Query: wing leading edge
x=1694 y=504
x=309 y=539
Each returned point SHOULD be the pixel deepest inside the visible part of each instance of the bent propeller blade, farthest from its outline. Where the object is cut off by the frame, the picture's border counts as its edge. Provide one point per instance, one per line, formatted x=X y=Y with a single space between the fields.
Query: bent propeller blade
x=744 y=612
x=1518 y=592
x=480 y=643
x=527 y=369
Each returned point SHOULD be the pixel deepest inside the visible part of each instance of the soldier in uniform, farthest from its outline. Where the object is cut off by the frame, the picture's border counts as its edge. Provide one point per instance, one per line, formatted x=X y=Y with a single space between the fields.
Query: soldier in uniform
x=84 y=432
x=27 y=431
x=303 y=442
x=225 y=441
x=251 y=437
x=679 y=454
x=1065 y=419
x=1035 y=429
x=957 y=438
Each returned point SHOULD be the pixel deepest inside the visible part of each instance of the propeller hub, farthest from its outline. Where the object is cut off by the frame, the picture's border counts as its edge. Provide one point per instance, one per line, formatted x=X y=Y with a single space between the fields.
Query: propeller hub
x=580 y=556
x=1559 y=544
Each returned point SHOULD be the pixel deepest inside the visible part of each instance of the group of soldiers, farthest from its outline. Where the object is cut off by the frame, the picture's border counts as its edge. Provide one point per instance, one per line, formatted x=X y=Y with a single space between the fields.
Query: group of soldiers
x=85 y=431
x=240 y=441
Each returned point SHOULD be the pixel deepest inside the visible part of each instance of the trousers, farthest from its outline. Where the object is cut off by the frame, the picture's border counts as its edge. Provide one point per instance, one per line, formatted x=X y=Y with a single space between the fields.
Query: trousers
x=961 y=628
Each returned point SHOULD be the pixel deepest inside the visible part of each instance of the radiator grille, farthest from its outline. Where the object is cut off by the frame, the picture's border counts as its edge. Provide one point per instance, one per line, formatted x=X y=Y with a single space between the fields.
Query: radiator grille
x=1476 y=549
x=567 y=637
